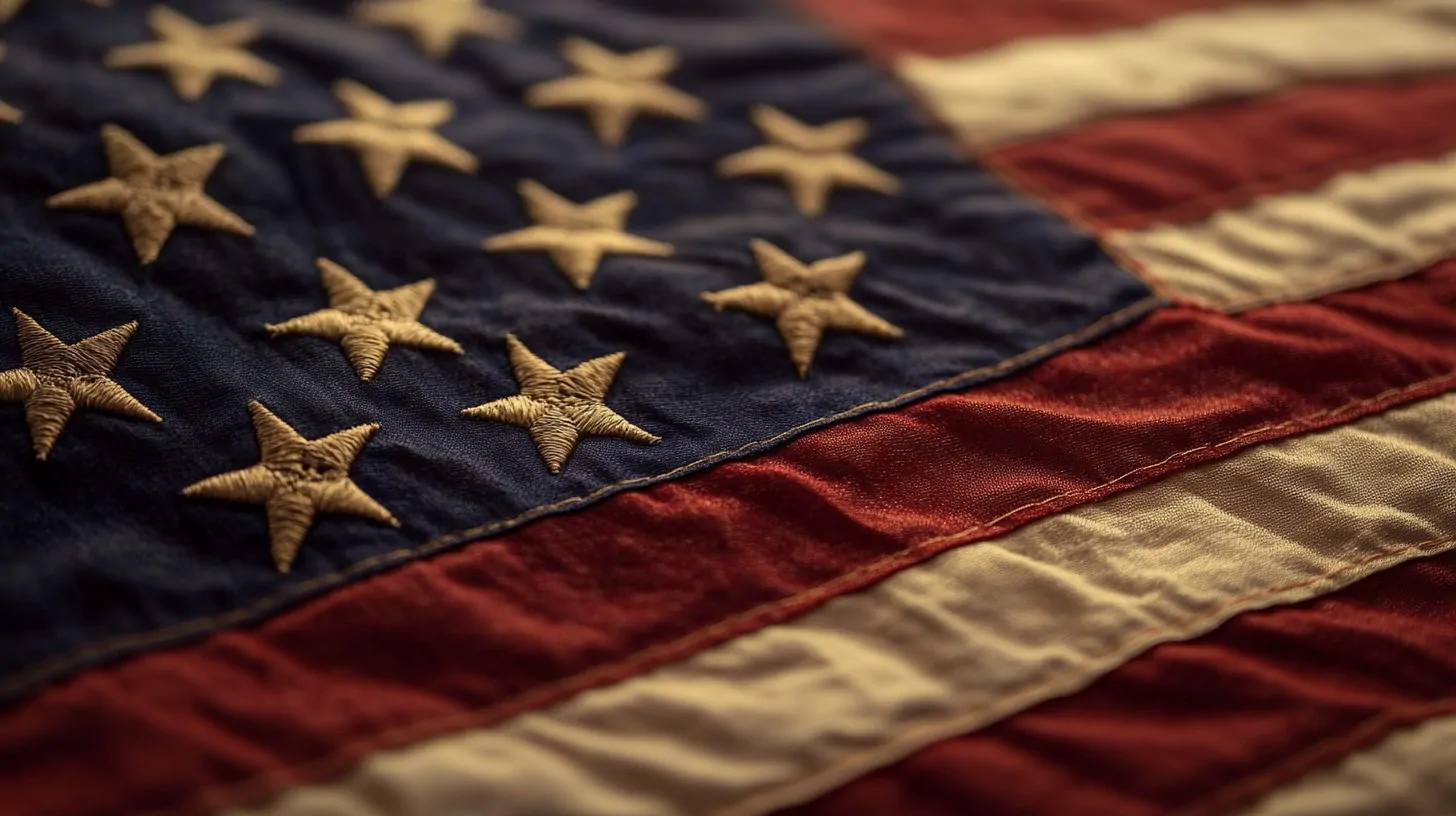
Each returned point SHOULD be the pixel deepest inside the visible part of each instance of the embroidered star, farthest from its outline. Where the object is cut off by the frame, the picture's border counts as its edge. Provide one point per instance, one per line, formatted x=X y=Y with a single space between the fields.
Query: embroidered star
x=557 y=407
x=365 y=322
x=576 y=236
x=614 y=88
x=389 y=136
x=9 y=8
x=805 y=300
x=437 y=24
x=9 y=114
x=55 y=378
x=810 y=160
x=295 y=480
x=196 y=55
x=154 y=194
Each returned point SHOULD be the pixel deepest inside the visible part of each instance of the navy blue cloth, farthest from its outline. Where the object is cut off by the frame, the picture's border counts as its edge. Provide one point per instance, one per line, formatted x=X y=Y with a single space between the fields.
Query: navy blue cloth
x=99 y=545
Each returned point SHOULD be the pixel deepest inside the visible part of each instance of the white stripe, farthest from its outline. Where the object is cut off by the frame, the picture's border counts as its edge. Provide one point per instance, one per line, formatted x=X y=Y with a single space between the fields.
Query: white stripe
x=976 y=634
x=1040 y=86
x=1358 y=228
x=1411 y=773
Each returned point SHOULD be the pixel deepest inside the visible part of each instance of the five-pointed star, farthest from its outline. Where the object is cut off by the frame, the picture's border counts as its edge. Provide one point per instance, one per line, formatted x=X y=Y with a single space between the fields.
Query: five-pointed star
x=810 y=160
x=9 y=8
x=8 y=113
x=388 y=135
x=437 y=24
x=805 y=300
x=54 y=379
x=559 y=407
x=615 y=88
x=296 y=479
x=196 y=55
x=365 y=322
x=576 y=236
x=153 y=194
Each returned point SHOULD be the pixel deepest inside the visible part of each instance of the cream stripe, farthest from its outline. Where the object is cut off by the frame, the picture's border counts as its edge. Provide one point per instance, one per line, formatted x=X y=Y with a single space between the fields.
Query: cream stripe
x=976 y=634
x=1041 y=86
x=1411 y=773
x=1356 y=229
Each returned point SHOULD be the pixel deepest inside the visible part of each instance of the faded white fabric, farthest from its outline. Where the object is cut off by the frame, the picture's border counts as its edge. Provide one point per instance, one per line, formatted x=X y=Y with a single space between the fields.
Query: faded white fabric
x=976 y=634
x=1356 y=229
x=1039 y=86
x=1411 y=773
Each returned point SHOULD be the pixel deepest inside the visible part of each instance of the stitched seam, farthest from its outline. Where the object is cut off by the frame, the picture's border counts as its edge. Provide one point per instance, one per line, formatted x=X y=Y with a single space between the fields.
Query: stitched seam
x=1053 y=681
x=1391 y=271
x=1247 y=789
x=300 y=590
x=548 y=692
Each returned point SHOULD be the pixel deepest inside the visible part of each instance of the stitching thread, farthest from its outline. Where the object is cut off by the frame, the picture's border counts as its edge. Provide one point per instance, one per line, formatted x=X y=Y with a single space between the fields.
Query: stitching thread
x=547 y=693
x=63 y=662
x=1035 y=690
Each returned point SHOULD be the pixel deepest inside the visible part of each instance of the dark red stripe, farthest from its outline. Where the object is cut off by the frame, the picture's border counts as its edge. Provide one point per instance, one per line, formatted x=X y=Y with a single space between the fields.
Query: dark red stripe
x=1203 y=727
x=570 y=602
x=1132 y=172
x=957 y=27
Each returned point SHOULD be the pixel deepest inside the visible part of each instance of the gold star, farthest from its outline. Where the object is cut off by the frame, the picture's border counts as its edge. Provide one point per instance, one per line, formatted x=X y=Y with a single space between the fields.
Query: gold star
x=576 y=236
x=9 y=8
x=54 y=379
x=296 y=479
x=389 y=136
x=365 y=322
x=196 y=55
x=9 y=114
x=810 y=160
x=559 y=407
x=804 y=300
x=615 y=88
x=153 y=194
x=437 y=24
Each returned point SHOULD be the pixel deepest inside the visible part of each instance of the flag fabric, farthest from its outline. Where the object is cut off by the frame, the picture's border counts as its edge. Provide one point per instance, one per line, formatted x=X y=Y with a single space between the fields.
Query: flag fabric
x=732 y=406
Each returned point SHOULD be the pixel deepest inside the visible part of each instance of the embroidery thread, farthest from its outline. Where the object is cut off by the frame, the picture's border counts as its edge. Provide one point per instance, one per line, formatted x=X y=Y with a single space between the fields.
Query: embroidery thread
x=295 y=479
x=557 y=407
x=436 y=25
x=576 y=236
x=154 y=194
x=56 y=378
x=194 y=55
x=365 y=322
x=805 y=300
x=388 y=136
x=615 y=88
x=811 y=161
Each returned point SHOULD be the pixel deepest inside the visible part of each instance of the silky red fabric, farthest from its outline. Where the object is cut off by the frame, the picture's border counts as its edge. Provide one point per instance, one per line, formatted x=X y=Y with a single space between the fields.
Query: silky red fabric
x=651 y=576
x=1201 y=728
x=1136 y=171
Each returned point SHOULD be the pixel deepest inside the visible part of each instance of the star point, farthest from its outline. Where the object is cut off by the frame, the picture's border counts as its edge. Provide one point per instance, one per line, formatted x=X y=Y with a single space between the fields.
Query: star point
x=437 y=25
x=614 y=89
x=296 y=479
x=811 y=161
x=9 y=114
x=9 y=8
x=56 y=378
x=154 y=194
x=365 y=322
x=558 y=408
x=194 y=55
x=576 y=236
x=805 y=300
x=389 y=135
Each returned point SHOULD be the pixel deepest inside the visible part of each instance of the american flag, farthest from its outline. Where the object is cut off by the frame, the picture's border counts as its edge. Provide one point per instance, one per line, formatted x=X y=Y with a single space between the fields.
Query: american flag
x=441 y=408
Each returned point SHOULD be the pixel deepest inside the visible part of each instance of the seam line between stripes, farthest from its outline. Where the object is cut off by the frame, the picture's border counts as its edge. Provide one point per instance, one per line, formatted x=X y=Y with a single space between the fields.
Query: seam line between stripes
x=298 y=591
x=607 y=672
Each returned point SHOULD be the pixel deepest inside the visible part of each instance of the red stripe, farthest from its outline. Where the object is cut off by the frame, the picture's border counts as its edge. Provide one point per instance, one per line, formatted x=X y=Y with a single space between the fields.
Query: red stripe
x=1183 y=166
x=1203 y=727
x=957 y=27
x=574 y=601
